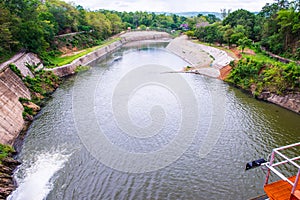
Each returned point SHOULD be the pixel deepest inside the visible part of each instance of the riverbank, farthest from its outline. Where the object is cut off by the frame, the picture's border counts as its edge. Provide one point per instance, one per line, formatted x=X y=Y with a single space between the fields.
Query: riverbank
x=204 y=60
x=214 y=62
x=7 y=167
x=129 y=37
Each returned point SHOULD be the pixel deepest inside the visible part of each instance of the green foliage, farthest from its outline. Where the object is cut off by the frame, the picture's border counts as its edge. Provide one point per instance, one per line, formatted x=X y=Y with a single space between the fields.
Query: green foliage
x=43 y=82
x=244 y=18
x=82 y=68
x=267 y=75
x=38 y=26
x=54 y=61
x=15 y=70
x=244 y=42
x=280 y=28
x=276 y=27
x=5 y=150
x=190 y=34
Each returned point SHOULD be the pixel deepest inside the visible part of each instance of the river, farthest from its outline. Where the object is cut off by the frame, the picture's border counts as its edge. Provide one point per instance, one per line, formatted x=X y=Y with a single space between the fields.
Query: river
x=129 y=128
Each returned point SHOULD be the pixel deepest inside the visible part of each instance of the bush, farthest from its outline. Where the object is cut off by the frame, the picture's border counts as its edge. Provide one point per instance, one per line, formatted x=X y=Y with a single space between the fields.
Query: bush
x=274 y=77
x=5 y=150
x=15 y=70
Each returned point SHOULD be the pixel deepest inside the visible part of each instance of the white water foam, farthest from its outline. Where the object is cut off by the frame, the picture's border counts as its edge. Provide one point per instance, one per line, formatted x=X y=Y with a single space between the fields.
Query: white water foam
x=38 y=181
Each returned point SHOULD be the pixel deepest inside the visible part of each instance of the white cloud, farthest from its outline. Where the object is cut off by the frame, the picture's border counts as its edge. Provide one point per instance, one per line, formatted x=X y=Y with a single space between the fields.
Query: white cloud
x=172 y=5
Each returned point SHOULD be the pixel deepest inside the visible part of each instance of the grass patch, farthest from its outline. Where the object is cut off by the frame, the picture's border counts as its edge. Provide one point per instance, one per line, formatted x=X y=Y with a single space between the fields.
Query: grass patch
x=262 y=57
x=60 y=61
x=5 y=150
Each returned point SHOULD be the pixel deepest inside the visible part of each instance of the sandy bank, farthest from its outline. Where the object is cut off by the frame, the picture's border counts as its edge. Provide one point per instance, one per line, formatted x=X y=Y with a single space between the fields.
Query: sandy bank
x=207 y=60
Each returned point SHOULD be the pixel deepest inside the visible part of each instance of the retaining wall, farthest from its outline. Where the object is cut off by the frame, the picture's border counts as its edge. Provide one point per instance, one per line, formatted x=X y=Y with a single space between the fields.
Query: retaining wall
x=11 y=120
x=98 y=54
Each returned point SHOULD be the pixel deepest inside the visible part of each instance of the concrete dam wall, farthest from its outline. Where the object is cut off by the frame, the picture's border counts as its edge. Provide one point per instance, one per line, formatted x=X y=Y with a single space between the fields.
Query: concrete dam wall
x=11 y=120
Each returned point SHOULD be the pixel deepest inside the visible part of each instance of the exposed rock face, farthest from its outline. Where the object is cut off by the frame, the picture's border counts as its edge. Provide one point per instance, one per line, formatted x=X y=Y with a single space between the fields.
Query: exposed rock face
x=6 y=180
x=11 y=120
x=291 y=102
x=98 y=54
x=33 y=106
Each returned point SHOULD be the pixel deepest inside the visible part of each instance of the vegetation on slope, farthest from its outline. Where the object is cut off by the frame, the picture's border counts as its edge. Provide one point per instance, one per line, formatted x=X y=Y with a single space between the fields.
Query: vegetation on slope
x=258 y=73
x=41 y=86
x=276 y=27
x=55 y=61
x=5 y=151
x=40 y=26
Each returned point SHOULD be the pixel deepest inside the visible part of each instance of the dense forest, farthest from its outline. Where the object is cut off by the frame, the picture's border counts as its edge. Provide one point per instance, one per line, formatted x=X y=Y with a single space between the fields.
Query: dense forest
x=36 y=26
x=276 y=27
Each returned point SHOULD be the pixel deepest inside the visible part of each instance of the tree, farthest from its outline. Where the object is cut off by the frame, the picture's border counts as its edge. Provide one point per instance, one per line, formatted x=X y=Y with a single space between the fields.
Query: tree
x=225 y=13
x=66 y=15
x=244 y=18
x=289 y=23
x=6 y=37
x=116 y=23
x=100 y=24
x=31 y=36
x=212 y=18
x=228 y=32
x=190 y=34
x=244 y=42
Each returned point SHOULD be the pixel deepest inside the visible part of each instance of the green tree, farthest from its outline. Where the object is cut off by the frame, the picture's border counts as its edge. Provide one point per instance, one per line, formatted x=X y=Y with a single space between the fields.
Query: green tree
x=289 y=22
x=7 y=40
x=244 y=18
x=190 y=34
x=116 y=23
x=101 y=26
x=244 y=42
x=228 y=32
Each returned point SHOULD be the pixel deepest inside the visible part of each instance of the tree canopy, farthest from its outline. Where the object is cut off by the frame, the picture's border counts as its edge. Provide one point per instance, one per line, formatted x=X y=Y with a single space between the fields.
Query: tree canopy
x=276 y=27
x=34 y=25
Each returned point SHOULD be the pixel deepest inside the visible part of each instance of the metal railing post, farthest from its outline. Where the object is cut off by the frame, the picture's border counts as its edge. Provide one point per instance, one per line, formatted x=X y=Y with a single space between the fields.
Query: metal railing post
x=269 y=170
x=296 y=182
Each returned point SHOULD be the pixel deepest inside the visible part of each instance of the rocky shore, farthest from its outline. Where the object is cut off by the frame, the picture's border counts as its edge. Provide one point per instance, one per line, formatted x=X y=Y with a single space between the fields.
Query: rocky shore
x=289 y=101
x=7 y=183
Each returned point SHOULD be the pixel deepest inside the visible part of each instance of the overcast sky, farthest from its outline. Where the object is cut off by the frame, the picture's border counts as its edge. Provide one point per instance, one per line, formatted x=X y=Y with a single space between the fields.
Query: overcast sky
x=172 y=5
